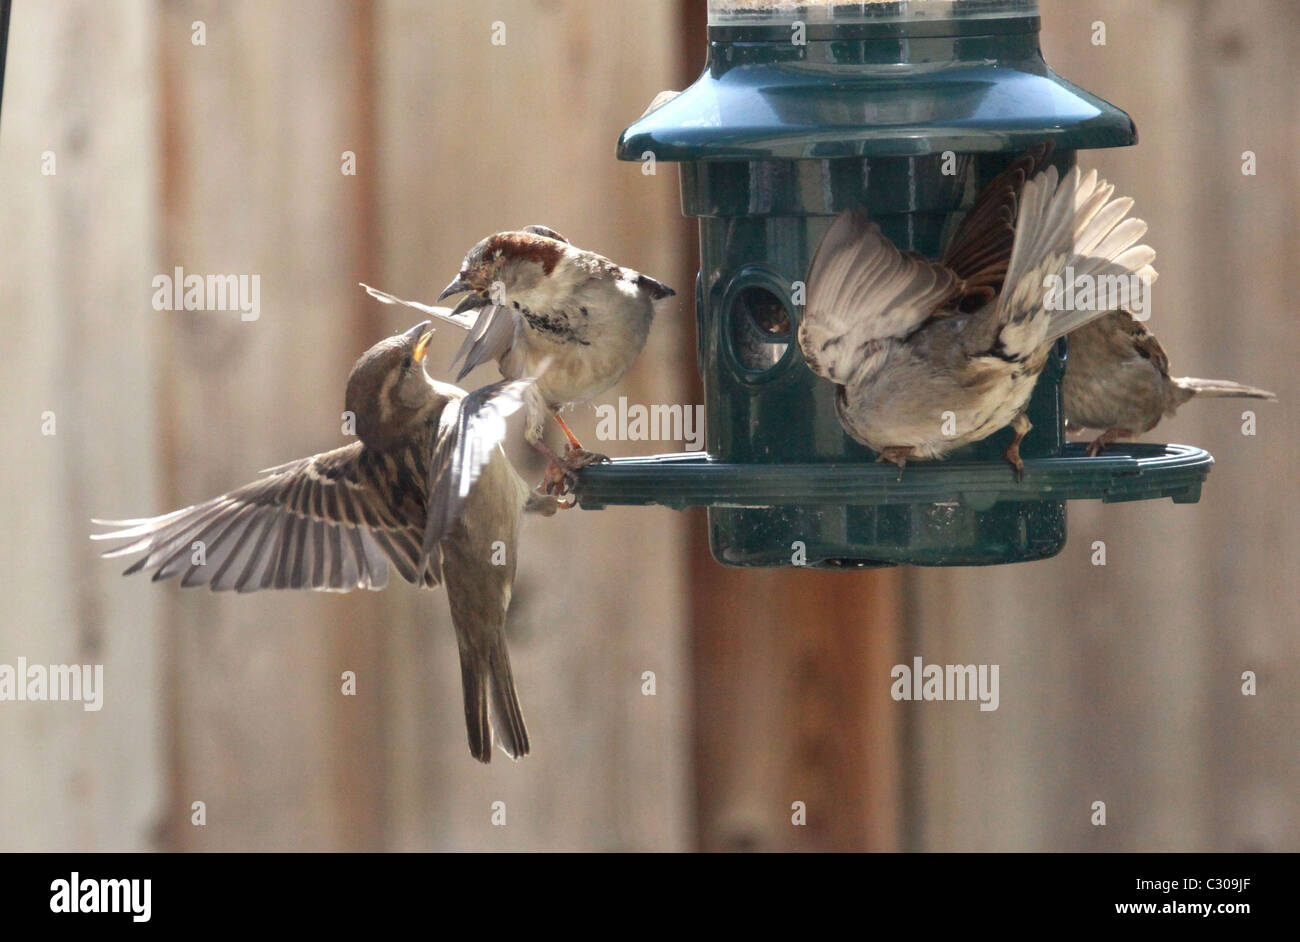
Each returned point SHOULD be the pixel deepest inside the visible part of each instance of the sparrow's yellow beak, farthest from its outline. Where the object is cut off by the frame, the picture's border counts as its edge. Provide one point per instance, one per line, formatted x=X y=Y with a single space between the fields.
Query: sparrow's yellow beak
x=422 y=346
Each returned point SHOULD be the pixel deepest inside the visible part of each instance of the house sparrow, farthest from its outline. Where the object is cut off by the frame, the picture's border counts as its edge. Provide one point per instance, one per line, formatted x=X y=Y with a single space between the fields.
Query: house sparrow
x=427 y=489
x=907 y=340
x=532 y=296
x=1117 y=379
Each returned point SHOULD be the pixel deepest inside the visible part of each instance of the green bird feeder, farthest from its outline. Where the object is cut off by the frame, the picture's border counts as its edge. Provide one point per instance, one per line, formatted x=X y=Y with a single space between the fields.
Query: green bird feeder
x=906 y=108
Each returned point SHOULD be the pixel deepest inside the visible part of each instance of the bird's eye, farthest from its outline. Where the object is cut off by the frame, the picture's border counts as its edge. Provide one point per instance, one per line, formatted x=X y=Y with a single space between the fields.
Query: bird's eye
x=408 y=362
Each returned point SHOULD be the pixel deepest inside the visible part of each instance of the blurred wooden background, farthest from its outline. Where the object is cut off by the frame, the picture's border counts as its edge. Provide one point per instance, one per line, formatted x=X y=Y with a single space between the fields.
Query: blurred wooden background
x=1119 y=684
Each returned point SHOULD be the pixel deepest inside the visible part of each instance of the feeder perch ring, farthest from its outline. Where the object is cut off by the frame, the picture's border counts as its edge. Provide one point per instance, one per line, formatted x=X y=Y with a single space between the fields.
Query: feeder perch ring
x=1127 y=472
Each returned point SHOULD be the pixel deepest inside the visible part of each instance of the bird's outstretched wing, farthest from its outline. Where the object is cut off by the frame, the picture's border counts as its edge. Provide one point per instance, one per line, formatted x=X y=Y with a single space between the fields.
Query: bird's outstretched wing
x=980 y=249
x=470 y=432
x=331 y=522
x=861 y=289
x=1065 y=225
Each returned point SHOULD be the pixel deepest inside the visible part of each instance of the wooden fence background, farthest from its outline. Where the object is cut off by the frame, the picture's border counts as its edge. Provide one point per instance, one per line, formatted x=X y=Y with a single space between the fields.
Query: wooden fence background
x=1119 y=684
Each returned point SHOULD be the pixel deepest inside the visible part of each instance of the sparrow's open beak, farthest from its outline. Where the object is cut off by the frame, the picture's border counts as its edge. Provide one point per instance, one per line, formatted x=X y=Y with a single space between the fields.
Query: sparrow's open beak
x=416 y=332
x=422 y=346
x=420 y=333
x=471 y=302
x=456 y=287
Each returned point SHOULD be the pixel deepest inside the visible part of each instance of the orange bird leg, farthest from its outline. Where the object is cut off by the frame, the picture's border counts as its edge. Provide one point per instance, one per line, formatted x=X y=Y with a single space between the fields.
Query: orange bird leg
x=568 y=433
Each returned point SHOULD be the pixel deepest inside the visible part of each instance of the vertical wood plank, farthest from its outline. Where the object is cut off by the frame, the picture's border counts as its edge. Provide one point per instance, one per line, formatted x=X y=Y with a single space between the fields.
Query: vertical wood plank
x=792 y=697
x=254 y=128
x=79 y=342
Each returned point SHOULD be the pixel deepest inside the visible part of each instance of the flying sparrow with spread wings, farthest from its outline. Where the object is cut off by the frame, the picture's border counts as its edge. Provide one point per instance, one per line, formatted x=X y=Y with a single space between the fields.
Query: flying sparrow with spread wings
x=1117 y=379
x=426 y=490
x=911 y=342
x=532 y=297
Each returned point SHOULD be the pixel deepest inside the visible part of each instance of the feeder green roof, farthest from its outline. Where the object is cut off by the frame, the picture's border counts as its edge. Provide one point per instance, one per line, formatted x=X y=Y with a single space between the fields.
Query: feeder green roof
x=854 y=97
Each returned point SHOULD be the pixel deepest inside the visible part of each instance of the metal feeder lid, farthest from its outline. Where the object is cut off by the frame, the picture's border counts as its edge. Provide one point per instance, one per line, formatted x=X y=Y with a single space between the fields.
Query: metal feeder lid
x=898 y=78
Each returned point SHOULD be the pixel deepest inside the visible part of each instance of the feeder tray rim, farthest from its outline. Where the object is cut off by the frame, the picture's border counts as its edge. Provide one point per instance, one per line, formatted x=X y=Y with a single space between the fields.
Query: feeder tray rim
x=1133 y=471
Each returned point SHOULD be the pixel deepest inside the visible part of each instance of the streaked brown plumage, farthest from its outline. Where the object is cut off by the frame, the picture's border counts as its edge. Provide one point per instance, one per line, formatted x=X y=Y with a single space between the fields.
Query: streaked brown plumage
x=427 y=490
x=1117 y=379
x=540 y=306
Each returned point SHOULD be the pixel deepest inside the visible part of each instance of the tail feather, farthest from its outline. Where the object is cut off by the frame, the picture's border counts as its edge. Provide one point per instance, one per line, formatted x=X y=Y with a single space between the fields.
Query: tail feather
x=653 y=287
x=1194 y=386
x=509 y=726
x=477 y=724
x=491 y=674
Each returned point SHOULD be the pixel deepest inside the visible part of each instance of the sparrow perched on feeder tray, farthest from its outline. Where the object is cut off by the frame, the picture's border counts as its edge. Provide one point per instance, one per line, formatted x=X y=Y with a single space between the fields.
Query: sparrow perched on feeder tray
x=427 y=490
x=907 y=340
x=1117 y=379
x=531 y=296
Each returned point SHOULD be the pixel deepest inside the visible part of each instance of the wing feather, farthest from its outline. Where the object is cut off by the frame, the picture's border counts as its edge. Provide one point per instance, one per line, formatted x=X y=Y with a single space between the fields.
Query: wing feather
x=322 y=523
x=1065 y=224
x=488 y=340
x=861 y=289
x=980 y=249
x=464 y=320
x=469 y=435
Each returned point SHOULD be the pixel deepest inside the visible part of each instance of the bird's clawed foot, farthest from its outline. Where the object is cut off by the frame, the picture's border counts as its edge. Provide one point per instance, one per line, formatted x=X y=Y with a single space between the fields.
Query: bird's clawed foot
x=1106 y=438
x=896 y=454
x=558 y=481
x=575 y=459
x=1021 y=426
x=561 y=477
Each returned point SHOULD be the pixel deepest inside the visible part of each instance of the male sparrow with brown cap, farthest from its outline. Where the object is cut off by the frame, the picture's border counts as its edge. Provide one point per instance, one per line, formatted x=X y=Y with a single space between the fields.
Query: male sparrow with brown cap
x=531 y=297
x=929 y=356
x=1117 y=379
x=427 y=490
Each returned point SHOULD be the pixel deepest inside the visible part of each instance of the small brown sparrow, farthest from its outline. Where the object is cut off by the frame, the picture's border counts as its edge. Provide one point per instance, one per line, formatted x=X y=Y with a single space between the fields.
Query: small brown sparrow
x=1117 y=379
x=427 y=490
x=532 y=298
x=930 y=356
